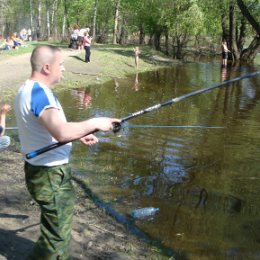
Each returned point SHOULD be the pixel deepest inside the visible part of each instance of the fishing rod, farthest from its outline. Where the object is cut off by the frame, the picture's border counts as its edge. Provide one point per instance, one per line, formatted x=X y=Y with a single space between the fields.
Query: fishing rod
x=150 y=126
x=117 y=126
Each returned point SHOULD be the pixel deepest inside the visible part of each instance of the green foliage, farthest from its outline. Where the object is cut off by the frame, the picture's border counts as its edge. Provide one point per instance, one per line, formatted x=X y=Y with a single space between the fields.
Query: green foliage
x=178 y=18
x=80 y=12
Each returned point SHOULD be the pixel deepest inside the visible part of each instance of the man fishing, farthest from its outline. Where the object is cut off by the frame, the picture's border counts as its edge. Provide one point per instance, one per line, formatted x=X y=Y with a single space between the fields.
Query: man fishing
x=41 y=121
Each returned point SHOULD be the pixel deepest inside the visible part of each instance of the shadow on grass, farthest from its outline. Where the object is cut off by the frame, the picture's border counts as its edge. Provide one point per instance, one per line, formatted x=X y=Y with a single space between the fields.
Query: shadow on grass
x=77 y=58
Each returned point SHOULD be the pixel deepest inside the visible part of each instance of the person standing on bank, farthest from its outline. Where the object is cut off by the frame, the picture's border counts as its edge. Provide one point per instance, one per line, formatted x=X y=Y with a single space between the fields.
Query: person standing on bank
x=4 y=140
x=41 y=122
x=86 y=43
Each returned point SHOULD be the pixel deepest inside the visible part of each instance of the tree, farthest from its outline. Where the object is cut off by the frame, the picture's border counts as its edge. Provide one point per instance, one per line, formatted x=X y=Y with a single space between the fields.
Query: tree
x=3 y=7
x=94 y=19
x=47 y=5
x=117 y=4
x=250 y=53
x=237 y=18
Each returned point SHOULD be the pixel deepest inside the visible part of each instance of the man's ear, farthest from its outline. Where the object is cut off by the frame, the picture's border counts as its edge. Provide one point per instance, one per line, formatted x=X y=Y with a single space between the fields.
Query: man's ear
x=46 y=69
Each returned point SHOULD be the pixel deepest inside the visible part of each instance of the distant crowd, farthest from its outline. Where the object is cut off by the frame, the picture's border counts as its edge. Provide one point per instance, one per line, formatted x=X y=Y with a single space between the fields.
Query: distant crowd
x=16 y=40
x=77 y=37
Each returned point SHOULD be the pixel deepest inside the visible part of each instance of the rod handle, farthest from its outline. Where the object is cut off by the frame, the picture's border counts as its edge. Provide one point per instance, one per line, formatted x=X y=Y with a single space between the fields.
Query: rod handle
x=33 y=154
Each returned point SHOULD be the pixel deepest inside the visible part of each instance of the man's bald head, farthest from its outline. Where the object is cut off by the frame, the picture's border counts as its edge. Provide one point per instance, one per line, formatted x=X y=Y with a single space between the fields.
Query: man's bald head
x=42 y=55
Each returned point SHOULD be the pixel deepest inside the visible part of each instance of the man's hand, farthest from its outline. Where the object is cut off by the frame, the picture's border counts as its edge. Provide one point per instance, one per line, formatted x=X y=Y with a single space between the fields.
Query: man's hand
x=89 y=140
x=5 y=109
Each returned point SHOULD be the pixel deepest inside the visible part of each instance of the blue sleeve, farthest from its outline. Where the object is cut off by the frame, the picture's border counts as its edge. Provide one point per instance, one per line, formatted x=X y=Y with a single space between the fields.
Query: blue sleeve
x=1 y=129
x=39 y=100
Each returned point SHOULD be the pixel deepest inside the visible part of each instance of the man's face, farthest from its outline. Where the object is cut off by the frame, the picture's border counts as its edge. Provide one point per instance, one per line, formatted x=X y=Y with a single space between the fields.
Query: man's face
x=56 y=68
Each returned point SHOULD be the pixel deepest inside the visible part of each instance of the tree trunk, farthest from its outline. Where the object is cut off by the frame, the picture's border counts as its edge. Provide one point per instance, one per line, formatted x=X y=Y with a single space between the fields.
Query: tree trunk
x=179 y=48
x=242 y=36
x=248 y=16
x=54 y=27
x=249 y=54
x=47 y=6
x=31 y=18
x=233 y=31
x=2 y=27
x=225 y=34
x=166 y=42
x=142 y=34
x=157 y=39
x=174 y=47
x=123 y=33
x=116 y=22
x=65 y=19
x=94 y=20
x=39 y=20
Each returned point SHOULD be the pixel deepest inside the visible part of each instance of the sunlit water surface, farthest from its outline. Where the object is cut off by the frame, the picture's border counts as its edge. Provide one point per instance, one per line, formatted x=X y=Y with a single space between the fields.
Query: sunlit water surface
x=202 y=171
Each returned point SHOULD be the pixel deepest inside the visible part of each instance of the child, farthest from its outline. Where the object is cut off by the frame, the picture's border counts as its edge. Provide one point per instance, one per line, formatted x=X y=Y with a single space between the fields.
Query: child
x=136 y=53
x=225 y=52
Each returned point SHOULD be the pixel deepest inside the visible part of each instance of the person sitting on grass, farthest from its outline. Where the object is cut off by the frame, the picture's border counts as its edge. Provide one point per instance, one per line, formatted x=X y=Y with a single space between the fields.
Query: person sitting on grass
x=7 y=45
x=16 y=40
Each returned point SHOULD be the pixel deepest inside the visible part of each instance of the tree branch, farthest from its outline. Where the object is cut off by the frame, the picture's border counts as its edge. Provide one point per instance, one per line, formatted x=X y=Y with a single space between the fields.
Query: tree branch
x=248 y=16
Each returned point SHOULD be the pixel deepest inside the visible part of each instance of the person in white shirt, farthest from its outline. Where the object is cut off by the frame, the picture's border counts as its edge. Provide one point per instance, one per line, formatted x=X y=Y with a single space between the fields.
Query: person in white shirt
x=42 y=122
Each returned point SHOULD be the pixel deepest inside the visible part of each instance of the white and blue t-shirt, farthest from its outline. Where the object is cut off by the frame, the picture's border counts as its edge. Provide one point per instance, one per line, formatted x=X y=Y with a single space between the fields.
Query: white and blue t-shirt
x=30 y=102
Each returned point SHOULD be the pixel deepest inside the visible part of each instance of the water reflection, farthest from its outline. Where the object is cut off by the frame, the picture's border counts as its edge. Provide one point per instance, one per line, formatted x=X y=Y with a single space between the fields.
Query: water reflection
x=204 y=180
x=136 y=83
x=83 y=97
x=224 y=73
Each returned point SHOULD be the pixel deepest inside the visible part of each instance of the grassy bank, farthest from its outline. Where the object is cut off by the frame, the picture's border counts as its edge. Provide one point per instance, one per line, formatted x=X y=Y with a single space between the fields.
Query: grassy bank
x=109 y=62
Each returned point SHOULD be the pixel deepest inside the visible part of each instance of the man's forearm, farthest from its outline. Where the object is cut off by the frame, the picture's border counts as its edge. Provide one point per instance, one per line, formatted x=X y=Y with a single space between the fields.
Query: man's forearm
x=2 y=124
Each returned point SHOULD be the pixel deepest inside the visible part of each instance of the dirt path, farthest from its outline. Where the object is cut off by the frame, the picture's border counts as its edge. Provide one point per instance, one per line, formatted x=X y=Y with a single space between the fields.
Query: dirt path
x=95 y=235
x=16 y=69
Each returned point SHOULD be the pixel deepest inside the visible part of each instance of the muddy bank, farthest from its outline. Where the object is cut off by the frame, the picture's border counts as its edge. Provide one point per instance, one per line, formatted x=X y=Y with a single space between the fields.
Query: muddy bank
x=95 y=235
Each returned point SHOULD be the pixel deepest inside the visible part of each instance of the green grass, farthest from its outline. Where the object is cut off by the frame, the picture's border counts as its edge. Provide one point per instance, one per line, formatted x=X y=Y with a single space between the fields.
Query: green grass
x=28 y=47
x=111 y=62
x=116 y=61
x=21 y=50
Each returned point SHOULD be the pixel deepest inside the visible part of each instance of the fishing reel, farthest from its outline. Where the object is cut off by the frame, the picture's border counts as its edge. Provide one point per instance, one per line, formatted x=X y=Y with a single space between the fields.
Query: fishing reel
x=116 y=127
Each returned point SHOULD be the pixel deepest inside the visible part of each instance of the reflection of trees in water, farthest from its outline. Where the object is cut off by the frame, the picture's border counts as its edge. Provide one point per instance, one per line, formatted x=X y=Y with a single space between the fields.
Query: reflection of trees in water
x=244 y=93
x=204 y=208
x=136 y=82
x=172 y=171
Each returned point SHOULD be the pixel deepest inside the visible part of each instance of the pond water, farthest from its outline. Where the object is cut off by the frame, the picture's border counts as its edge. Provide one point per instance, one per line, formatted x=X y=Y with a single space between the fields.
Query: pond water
x=196 y=160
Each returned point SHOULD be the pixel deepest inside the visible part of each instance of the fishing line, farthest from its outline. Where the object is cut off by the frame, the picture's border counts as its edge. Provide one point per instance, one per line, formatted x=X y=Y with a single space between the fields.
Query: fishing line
x=11 y=128
x=173 y=126
x=117 y=126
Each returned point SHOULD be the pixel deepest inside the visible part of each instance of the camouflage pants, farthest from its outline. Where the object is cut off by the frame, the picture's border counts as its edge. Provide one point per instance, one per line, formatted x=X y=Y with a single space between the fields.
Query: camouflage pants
x=52 y=189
